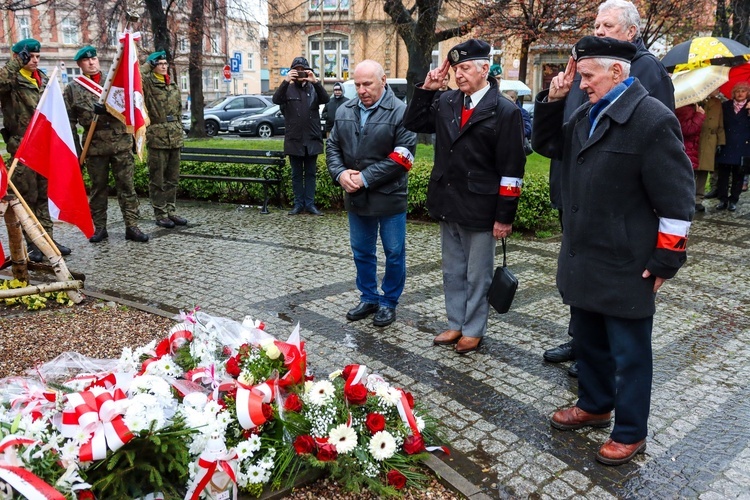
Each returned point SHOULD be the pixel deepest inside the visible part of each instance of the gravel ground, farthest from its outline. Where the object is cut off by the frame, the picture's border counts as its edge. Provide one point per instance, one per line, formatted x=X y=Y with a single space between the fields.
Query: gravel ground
x=101 y=329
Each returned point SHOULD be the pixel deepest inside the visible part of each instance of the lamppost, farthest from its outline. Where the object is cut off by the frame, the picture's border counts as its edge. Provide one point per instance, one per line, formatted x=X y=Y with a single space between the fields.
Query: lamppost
x=322 y=55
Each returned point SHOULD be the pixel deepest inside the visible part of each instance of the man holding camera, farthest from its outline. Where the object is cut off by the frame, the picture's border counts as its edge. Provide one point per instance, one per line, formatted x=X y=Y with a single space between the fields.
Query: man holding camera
x=163 y=137
x=21 y=87
x=111 y=146
x=300 y=96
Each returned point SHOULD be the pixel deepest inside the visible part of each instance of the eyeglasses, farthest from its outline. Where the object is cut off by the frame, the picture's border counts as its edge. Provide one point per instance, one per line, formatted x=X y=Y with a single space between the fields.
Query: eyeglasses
x=163 y=63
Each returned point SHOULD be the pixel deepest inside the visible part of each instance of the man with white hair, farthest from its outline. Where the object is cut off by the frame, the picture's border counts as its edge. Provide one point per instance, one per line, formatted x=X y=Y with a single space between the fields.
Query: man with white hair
x=627 y=202
x=618 y=19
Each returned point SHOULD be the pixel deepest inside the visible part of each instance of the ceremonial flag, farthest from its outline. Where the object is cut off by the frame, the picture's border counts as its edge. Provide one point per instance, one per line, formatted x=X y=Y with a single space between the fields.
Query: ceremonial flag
x=47 y=147
x=124 y=95
x=3 y=190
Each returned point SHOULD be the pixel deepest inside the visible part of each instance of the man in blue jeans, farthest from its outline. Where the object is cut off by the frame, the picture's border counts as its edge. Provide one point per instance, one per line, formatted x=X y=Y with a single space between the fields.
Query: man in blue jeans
x=369 y=154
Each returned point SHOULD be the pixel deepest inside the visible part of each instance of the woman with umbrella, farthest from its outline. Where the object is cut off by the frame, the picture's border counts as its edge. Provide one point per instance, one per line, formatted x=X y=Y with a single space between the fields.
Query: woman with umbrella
x=729 y=158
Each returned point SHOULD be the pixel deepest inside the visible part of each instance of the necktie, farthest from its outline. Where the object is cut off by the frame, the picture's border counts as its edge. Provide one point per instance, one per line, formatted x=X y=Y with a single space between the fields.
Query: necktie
x=467 y=102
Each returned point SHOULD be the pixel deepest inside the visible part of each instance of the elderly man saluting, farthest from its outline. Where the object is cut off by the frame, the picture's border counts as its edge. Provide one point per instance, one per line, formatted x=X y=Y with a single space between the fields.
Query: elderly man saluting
x=627 y=197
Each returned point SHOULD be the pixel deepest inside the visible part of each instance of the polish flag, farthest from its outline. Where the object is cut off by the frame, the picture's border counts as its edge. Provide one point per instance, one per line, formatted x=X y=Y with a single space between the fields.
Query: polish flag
x=47 y=147
x=3 y=190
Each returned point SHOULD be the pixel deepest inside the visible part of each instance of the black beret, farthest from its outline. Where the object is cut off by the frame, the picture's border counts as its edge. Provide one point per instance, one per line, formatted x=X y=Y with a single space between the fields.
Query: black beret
x=610 y=48
x=468 y=51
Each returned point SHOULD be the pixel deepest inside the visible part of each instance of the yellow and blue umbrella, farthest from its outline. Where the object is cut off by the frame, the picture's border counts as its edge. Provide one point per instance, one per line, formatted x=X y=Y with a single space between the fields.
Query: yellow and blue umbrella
x=705 y=51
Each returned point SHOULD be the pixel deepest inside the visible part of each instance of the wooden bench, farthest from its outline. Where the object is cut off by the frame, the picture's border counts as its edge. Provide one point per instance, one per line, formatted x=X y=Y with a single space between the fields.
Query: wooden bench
x=273 y=171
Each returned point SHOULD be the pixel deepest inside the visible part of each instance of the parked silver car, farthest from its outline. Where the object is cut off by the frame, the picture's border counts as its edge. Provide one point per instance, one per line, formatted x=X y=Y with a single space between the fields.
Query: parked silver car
x=265 y=124
x=220 y=112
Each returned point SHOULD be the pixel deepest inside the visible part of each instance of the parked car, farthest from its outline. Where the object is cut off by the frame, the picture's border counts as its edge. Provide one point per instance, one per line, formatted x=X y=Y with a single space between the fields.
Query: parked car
x=264 y=124
x=219 y=113
x=398 y=85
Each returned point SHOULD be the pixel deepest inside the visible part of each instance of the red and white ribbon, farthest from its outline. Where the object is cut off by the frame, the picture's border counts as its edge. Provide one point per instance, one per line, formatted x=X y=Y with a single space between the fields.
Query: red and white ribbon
x=24 y=482
x=207 y=376
x=250 y=402
x=407 y=416
x=295 y=359
x=33 y=400
x=209 y=463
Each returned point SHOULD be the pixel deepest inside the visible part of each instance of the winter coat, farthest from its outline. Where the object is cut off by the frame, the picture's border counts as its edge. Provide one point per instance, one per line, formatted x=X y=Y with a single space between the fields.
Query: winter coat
x=627 y=192
x=712 y=134
x=18 y=99
x=737 y=133
x=691 y=122
x=476 y=180
x=368 y=149
x=301 y=107
x=164 y=107
x=329 y=112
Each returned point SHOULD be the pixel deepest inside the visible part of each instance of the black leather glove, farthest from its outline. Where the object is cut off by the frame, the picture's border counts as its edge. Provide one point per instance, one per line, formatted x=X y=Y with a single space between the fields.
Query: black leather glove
x=25 y=56
x=99 y=109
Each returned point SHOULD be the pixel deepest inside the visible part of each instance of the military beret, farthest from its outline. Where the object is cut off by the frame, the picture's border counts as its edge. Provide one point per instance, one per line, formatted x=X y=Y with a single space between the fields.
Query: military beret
x=85 y=53
x=157 y=56
x=468 y=51
x=610 y=48
x=29 y=44
x=496 y=70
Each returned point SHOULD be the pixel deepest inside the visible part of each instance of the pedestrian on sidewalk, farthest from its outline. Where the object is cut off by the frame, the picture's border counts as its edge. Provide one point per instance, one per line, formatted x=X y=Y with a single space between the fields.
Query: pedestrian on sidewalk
x=475 y=183
x=369 y=154
x=300 y=96
x=712 y=136
x=329 y=112
x=626 y=189
x=736 y=115
x=111 y=148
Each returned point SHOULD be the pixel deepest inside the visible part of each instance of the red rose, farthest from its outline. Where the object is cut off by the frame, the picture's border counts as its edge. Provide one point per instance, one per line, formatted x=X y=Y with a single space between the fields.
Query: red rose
x=413 y=444
x=375 y=422
x=162 y=348
x=293 y=403
x=396 y=479
x=85 y=495
x=226 y=350
x=327 y=453
x=304 y=444
x=347 y=371
x=233 y=367
x=267 y=411
x=356 y=394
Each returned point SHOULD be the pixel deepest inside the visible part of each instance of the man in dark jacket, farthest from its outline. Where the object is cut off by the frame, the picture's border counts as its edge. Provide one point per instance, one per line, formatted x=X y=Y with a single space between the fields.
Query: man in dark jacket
x=329 y=112
x=369 y=154
x=627 y=201
x=618 y=19
x=475 y=183
x=300 y=96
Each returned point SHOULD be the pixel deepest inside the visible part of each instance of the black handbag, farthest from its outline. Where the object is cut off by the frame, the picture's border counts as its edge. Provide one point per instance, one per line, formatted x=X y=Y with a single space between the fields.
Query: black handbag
x=745 y=165
x=503 y=287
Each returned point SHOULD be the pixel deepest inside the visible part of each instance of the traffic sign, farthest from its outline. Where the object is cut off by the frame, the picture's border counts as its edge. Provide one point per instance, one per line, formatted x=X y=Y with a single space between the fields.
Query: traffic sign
x=227 y=73
x=236 y=65
x=238 y=56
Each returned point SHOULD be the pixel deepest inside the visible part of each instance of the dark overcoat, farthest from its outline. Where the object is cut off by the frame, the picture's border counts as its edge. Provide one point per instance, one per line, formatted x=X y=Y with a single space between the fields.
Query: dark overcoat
x=301 y=106
x=737 y=133
x=621 y=189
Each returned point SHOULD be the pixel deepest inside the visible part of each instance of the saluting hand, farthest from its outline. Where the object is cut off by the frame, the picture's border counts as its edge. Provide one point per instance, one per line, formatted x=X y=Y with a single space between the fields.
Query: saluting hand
x=560 y=85
x=434 y=78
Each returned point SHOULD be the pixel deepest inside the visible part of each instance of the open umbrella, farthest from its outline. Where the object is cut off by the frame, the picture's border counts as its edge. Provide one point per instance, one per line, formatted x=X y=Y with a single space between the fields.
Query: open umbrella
x=697 y=84
x=705 y=51
x=737 y=74
x=516 y=85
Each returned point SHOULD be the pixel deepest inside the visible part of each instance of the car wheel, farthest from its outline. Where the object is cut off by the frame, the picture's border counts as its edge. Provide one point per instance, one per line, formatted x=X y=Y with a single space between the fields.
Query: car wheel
x=265 y=130
x=212 y=128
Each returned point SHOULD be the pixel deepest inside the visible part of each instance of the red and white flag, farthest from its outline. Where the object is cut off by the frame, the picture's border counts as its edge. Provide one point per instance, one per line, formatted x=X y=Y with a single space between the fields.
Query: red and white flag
x=124 y=99
x=3 y=190
x=47 y=147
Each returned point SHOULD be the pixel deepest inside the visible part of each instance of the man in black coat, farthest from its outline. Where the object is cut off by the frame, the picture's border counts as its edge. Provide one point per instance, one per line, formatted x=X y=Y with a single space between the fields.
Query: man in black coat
x=627 y=201
x=618 y=19
x=329 y=112
x=475 y=183
x=300 y=96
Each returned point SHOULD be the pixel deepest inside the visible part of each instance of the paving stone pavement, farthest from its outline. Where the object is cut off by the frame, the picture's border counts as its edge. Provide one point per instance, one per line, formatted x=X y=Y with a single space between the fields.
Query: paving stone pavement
x=494 y=404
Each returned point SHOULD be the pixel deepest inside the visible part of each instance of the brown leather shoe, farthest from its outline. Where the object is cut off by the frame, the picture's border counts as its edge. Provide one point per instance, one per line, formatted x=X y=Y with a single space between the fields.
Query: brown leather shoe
x=448 y=337
x=575 y=418
x=468 y=344
x=614 y=453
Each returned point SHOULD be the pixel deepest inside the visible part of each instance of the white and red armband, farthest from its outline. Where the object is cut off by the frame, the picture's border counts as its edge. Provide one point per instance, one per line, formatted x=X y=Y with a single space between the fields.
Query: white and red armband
x=403 y=157
x=673 y=234
x=510 y=186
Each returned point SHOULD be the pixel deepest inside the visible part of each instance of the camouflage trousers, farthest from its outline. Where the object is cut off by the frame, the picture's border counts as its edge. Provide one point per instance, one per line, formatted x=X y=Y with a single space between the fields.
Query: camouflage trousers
x=164 y=174
x=33 y=188
x=123 y=170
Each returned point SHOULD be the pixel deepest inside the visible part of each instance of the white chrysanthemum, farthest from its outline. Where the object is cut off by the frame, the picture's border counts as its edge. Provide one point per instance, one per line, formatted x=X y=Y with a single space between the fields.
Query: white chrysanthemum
x=266 y=463
x=242 y=479
x=335 y=375
x=420 y=423
x=212 y=407
x=343 y=438
x=80 y=437
x=382 y=445
x=321 y=392
x=164 y=367
x=148 y=384
x=254 y=442
x=256 y=474
x=69 y=451
x=244 y=450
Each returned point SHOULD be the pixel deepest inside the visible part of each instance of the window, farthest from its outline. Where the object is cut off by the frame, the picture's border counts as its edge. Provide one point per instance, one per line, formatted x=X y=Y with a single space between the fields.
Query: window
x=216 y=80
x=184 y=81
x=335 y=53
x=24 y=27
x=113 y=37
x=70 y=31
x=244 y=88
x=254 y=102
x=182 y=45
x=435 y=56
x=73 y=72
x=329 y=5
x=235 y=104
x=216 y=44
x=250 y=61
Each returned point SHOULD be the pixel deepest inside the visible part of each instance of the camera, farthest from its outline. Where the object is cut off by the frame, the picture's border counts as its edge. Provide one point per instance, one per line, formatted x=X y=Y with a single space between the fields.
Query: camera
x=301 y=74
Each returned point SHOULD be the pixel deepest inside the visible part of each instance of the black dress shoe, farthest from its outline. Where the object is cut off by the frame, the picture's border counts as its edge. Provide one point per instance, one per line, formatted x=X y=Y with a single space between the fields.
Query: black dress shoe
x=35 y=255
x=135 y=234
x=362 y=311
x=699 y=207
x=165 y=222
x=573 y=370
x=63 y=249
x=179 y=221
x=563 y=352
x=732 y=207
x=314 y=210
x=99 y=235
x=722 y=206
x=384 y=317
x=711 y=194
x=296 y=211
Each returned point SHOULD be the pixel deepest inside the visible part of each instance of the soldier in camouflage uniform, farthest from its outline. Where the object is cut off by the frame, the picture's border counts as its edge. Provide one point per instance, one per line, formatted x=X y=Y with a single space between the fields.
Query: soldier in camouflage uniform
x=21 y=86
x=164 y=139
x=111 y=146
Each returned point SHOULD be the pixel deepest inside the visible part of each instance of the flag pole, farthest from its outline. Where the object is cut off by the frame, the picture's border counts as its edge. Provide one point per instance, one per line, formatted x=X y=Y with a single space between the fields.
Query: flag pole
x=32 y=215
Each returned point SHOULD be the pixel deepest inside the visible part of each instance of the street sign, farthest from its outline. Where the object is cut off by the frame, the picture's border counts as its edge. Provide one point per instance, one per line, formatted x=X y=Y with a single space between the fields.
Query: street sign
x=284 y=71
x=238 y=56
x=64 y=77
x=236 y=65
x=227 y=74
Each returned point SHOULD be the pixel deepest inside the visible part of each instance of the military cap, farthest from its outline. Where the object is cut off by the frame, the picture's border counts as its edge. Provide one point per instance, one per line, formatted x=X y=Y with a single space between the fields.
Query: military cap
x=29 y=44
x=496 y=70
x=610 y=48
x=300 y=61
x=157 y=56
x=469 y=51
x=85 y=53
